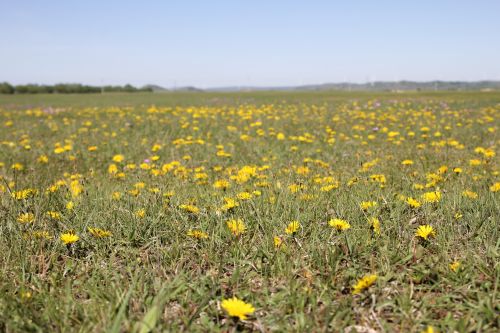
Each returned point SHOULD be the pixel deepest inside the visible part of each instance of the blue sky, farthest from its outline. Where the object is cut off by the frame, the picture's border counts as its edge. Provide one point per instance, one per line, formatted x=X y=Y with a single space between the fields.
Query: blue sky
x=238 y=43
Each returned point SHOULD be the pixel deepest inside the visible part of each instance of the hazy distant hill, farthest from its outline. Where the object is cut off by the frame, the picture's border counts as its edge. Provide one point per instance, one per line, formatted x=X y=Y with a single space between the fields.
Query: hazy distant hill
x=379 y=86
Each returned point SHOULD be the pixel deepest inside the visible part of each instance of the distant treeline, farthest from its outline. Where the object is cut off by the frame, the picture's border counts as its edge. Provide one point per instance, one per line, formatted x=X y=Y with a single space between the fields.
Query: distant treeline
x=66 y=88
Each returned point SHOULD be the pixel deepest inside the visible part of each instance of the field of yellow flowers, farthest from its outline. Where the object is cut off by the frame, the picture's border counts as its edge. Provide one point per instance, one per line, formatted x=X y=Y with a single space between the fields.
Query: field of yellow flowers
x=288 y=213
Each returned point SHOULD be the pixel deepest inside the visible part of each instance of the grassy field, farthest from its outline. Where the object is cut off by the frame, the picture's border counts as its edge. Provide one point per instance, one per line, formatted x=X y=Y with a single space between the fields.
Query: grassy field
x=323 y=212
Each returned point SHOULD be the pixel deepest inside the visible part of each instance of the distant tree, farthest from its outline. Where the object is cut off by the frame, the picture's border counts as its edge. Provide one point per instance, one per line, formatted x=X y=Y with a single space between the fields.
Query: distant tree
x=6 y=88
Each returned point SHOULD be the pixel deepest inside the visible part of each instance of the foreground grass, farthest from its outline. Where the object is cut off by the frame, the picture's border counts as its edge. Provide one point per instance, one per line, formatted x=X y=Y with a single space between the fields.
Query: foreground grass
x=150 y=175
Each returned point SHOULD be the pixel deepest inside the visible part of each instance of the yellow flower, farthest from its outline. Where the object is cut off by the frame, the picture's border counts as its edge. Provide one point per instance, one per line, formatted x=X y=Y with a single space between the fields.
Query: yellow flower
x=407 y=162
x=43 y=159
x=413 y=202
x=190 y=208
x=17 y=166
x=431 y=197
x=221 y=184
x=118 y=158
x=474 y=162
x=53 y=215
x=277 y=241
x=470 y=194
x=425 y=231
x=237 y=227
x=339 y=224
x=454 y=266
x=364 y=283
x=24 y=194
x=99 y=233
x=429 y=329
x=495 y=187
x=69 y=238
x=292 y=227
x=374 y=224
x=140 y=213
x=328 y=188
x=26 y=218
x=197 y=234
x=112 y=169
x=230 y=204
x=365 y=205
x=70 y=205
x=237 y=308
x=244 y=196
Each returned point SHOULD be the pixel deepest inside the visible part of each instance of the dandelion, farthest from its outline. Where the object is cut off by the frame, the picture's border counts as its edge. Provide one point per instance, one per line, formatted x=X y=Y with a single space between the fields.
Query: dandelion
x=25 y=218
x=364 y=283
x=43 y=159
x=140 y=213
x=53 y=215
x=407 y=162
x=292 y=227
x=221 y=184
x=198 y=234
x=431 y=197
x=470 y=194
x=339 y=224
x=99 y=233
x=230 y=203
x=374 y=225
x=425 y=232
x=118 y=158
x=69 y=238
x=365 y=205
x=495 y=187
x=429 y=329
x=244 y=196
x=454 y=266
x=277 y=241
x=237 y=308
x=237 y=227
x=190 y=209
x=17 y=166
x=413 y=203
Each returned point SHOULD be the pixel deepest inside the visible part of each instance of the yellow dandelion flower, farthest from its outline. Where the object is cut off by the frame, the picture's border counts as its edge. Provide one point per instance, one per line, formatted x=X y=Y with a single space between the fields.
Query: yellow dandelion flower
x=99 y=233
x=413 y=202
x=69 y=238
x=140 y=213
x=277 y=241
x=237 y=308
x=118 y=158
x=53 y=215
x=198 y=234
x=25 y=218
x=190 y=209
x=495 y=187
x=339 y=224
x=454 y=266
x=470 y=194
x=431 y=197
x=425 y=231
x=365 y=205
x=364 y=283
x=237 y=227
x=292 y=227
x=374 y=225
x=244 y=196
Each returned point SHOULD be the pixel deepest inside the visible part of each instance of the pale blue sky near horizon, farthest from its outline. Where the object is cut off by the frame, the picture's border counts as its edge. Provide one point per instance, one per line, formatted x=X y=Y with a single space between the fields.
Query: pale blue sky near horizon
x=247 y=43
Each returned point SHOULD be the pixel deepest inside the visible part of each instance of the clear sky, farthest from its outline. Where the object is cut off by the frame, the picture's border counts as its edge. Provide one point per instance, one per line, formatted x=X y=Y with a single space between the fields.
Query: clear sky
x=210 y=43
